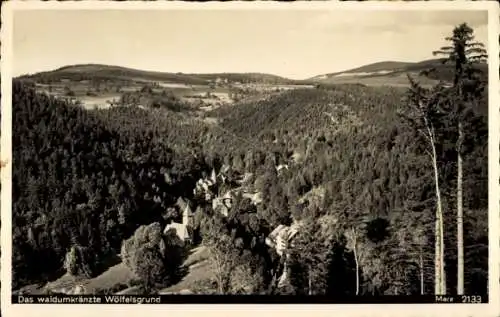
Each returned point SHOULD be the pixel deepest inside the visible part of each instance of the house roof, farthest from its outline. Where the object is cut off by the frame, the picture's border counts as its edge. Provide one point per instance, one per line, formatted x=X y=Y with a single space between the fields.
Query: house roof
x=281 y=236
x=219 y=206
x=179 y=228
x=275 y=233
x=255 y=197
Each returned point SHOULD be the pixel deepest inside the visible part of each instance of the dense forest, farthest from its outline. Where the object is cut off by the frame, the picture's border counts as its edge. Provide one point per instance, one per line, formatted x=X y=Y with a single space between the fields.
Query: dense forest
x=103 y=73
x=91 y=186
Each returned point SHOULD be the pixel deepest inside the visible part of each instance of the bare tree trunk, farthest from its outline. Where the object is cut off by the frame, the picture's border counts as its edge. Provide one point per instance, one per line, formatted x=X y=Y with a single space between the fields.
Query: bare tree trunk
x=460 y=224
x=356 y=261
x=421 y=264
x=443 y=272
x=437 y=260
x=440 y=281
x=220 y=279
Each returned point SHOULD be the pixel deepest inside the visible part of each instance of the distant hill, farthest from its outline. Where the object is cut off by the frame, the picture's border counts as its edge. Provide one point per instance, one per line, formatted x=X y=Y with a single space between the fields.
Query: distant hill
x=107 y=72
x=118 y=73
x=366 y=70
x=247 y=78
x=391 y=73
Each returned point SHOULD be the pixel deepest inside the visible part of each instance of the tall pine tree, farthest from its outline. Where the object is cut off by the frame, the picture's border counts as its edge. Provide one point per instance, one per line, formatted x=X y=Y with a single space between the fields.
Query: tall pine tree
x=464 y=53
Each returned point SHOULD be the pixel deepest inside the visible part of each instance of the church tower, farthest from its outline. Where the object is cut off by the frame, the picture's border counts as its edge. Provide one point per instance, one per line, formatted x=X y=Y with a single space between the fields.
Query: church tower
x=187 y=216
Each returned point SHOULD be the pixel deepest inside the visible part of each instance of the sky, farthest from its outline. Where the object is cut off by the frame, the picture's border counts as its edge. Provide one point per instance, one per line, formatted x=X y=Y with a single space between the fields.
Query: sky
x=296 y=44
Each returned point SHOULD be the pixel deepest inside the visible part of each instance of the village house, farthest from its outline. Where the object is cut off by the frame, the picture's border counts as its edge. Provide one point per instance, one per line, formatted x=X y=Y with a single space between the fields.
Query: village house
x=255 y=197
x=208 y=186
x=245 y=179
x=223 y=204
x=281 y=168
x=281 y=239
x=205 y=186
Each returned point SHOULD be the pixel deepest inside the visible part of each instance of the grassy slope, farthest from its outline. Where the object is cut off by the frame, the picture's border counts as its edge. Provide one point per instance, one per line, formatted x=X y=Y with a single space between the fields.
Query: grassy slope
x=114 y=276
x=397 y=75
x=108 y=72
x=375 y=67
x=120 y=274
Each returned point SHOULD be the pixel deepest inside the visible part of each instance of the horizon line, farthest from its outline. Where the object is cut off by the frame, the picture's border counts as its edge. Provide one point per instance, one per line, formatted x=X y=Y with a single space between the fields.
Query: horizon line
x=215 y=73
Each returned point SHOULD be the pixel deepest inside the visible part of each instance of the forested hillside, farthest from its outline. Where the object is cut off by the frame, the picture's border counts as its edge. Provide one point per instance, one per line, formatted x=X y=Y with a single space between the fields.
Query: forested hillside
x=110 y=73
x=114 y=73
x=88 y=178
x=80 y=180
x=375 y=173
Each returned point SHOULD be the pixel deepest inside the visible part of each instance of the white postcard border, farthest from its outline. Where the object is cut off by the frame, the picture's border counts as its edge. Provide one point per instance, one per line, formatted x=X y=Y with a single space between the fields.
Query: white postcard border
x=491 y=309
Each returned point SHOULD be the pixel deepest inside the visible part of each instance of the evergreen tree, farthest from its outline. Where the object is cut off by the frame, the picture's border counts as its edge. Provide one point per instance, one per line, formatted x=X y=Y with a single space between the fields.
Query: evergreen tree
x=464 y=54
x=310 y=251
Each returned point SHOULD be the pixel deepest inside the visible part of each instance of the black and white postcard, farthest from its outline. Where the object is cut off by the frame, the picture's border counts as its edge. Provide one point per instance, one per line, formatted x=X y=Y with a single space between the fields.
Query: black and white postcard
x=342 y=156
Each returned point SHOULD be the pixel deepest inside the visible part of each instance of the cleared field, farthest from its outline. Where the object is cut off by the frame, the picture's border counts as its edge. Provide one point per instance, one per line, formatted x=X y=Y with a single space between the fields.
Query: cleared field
x=207 y=97
x=397 y=80
x=174 y=85
x=91 y=102
x=117 y=276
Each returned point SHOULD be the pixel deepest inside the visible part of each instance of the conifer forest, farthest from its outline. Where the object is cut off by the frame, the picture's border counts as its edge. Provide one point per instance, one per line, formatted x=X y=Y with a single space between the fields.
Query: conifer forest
x=250 y=183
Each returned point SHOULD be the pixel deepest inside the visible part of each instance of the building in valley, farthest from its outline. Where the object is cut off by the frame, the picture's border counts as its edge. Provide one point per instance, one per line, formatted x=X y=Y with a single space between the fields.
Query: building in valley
x=183 y=230
x=281 y=239
x=209 y=186
x=223 y=204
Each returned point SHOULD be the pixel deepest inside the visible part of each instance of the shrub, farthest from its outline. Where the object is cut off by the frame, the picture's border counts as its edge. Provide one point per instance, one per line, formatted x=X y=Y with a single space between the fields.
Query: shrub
x=78 y=261
x=154 y=258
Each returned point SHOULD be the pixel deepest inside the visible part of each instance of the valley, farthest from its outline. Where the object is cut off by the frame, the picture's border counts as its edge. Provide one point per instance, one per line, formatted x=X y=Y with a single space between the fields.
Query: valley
x=103 y=86
x=134 y=182
x=99 y=86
